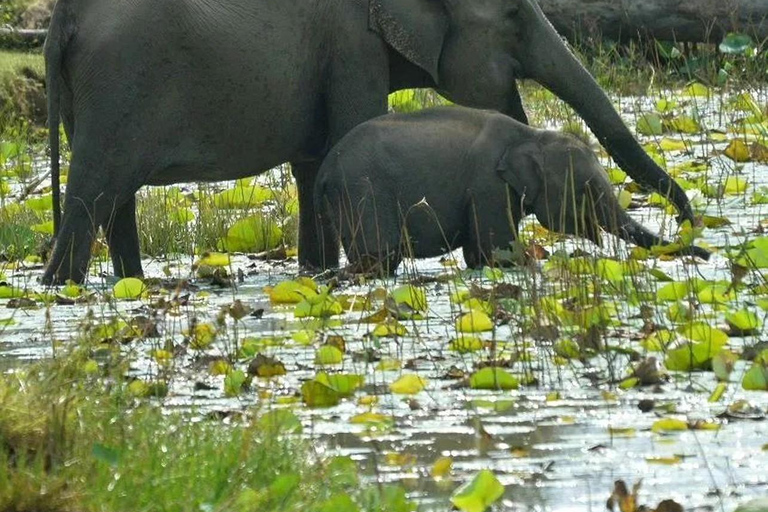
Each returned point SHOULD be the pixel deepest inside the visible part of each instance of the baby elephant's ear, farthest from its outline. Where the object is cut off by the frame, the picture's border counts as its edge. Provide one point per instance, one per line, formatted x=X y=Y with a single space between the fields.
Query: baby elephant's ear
x=521 y=168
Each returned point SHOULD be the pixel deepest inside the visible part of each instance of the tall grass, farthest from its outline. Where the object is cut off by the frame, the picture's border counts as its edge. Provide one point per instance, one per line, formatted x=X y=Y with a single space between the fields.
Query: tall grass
x=73 y=437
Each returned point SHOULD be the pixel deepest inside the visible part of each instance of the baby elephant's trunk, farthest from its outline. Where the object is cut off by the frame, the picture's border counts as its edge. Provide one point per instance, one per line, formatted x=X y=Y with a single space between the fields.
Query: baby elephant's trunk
x=632 y=231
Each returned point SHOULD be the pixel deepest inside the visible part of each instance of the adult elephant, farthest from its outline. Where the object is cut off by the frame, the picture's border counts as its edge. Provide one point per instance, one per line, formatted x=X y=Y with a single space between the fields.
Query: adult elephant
x=162 y=92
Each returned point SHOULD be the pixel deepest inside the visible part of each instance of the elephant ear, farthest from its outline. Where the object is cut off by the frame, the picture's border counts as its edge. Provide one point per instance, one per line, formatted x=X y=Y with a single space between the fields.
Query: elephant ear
x=415 y=28
x=521 y=168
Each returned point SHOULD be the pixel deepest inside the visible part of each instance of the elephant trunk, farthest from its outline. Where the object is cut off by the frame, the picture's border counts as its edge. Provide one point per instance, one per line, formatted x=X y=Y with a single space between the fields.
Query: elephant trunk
x=628 y=229
x=554 y=66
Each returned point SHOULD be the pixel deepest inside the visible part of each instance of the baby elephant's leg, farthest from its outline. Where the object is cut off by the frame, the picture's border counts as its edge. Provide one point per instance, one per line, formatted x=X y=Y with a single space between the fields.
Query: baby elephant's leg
x=491 y=224
x=370 y=230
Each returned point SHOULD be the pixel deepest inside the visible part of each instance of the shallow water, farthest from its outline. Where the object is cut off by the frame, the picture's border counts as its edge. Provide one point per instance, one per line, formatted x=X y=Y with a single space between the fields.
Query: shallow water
x=551 y=454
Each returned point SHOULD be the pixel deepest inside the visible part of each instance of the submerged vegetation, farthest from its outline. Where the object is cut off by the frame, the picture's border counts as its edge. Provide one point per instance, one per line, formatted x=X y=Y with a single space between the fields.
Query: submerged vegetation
x=225 y=381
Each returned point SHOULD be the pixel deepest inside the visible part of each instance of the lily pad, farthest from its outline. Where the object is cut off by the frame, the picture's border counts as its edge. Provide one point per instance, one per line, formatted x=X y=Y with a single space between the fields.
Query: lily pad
x=408 y=384
x=650 y=124
x=736 y=43
x=479 y=493
x=669 y=425
x=317 y=394
x=253 y=234
x=738 y=151
x=242 y=197
x=493 y=378
x=412 y=296
x=129 y=288
x=743 y=321
x=345 y=384
x=692 y=356
x=214 y=259
x=328 y=355
x=327 y=306
x=756 y=378
x=234 y=383
x=292 y=292
x=474 y=321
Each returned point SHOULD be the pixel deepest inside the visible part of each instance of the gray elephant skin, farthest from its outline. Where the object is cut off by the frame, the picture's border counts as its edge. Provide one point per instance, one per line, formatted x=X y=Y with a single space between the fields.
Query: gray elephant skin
x=154 y=93
x=425 y=183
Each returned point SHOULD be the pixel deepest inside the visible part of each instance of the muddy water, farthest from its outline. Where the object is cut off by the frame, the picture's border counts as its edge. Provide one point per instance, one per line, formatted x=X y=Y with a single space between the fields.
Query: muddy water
x=551 y=452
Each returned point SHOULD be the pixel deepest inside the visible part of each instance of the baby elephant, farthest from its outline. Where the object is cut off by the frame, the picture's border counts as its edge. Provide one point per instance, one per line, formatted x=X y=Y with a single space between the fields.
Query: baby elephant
x=425 y=183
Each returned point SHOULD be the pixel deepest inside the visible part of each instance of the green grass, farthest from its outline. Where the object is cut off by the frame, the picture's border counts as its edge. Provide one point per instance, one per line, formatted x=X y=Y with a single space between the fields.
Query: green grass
x=74 y=437
x=22 y=92
x=11 y=10
x=12 y=62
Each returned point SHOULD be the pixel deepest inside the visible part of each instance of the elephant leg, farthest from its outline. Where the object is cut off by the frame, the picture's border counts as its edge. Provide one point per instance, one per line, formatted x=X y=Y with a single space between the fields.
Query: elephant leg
x=318 y=246
x=477 y=248
x=348 y=103
x=123 y=239
x=92 y=196
x=72 y=248
x=491 y=224
x=370 y=231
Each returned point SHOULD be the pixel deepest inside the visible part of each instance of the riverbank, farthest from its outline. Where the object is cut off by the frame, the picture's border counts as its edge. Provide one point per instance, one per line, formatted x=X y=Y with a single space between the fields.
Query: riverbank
x=22 y=89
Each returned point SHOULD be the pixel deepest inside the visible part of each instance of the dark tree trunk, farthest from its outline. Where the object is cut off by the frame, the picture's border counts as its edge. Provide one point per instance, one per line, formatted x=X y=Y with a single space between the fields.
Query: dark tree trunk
x=670 y=20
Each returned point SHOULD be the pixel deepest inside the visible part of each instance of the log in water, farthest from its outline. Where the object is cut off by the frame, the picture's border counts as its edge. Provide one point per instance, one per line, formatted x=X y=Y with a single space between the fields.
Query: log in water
x=670 y=20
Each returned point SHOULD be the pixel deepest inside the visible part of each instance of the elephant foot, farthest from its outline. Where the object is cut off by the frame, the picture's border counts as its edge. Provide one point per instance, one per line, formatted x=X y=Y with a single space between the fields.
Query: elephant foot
x=373 y=266
x=70 y=258
x=316 y=259
x=52 y=277
x=308 y=268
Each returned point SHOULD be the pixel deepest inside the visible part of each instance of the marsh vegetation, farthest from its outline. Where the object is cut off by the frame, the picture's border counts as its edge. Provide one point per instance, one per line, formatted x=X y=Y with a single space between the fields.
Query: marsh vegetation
x=226 y=381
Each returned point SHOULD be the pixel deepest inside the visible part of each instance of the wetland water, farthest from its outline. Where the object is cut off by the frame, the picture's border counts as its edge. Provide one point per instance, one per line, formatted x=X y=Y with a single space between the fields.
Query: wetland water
x=558 y=443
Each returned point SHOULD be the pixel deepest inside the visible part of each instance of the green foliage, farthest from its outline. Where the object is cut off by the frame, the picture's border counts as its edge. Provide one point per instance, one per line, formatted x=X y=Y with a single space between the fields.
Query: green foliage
x=68 y=442
x=22 y=90
x=626 y=323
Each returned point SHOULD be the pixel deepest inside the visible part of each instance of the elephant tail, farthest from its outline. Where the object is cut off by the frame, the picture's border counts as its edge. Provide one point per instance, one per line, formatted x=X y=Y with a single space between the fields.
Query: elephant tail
x=633 y=231
x=55 y=43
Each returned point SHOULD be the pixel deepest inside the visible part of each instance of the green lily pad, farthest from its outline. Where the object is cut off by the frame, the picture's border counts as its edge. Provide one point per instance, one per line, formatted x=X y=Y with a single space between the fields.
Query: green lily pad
x=493 y=378
x=253 y=234
x=744 y=321
x=317 y=394
x=234 y=383
x=242 y=197
x=129 y=288
x=736 y=43
x=756 y=255
x=649 y=124
x=479 y=493
x=412 y=296
x=345 y=384
x=327 y=355
x=692 y=356
x=756 y=378
x=704 y=333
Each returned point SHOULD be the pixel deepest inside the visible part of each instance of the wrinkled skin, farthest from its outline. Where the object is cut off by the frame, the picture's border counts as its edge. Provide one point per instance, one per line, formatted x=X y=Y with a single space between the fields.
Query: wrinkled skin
x=426 y=183
x=153 y=93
